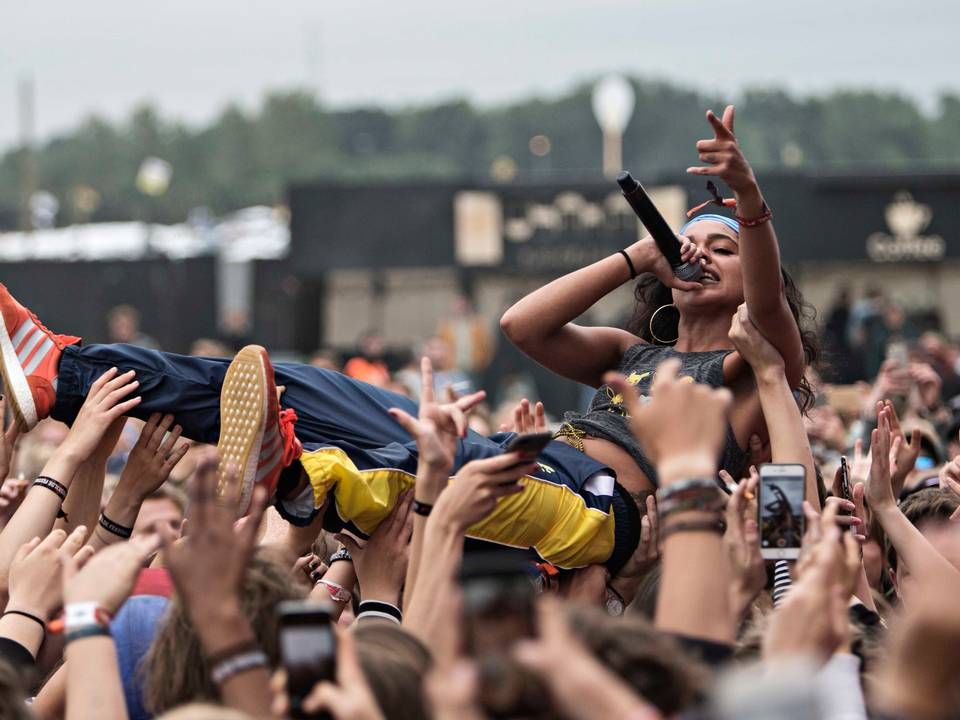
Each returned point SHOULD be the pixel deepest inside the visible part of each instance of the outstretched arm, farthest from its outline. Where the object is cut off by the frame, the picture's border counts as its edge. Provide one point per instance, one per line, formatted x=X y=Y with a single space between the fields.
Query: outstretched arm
x=788 y=438
x=542 y=324
x=763 y=287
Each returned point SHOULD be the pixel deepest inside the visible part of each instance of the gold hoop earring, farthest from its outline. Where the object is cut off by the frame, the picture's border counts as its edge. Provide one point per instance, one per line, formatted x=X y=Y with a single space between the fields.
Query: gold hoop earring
x=653 y=334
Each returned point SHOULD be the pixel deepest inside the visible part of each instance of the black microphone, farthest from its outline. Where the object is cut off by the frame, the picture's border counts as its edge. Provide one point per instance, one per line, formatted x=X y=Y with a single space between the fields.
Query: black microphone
x=653 y=221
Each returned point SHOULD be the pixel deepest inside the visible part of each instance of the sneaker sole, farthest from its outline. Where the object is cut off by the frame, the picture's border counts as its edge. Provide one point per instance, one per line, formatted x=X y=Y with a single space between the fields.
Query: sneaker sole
x=15 y=382
x=243 y=407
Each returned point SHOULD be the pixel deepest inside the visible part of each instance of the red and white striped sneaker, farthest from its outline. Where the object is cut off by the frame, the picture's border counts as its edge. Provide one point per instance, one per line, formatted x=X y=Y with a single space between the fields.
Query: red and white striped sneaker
x=256 y=437
x=29 y=360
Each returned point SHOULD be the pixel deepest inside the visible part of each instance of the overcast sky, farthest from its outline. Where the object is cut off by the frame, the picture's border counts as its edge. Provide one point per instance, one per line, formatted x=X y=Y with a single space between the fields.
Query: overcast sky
x=191 y=57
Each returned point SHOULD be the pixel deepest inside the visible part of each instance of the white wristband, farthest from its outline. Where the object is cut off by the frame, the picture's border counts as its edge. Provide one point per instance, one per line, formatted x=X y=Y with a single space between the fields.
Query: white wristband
x=83 y=614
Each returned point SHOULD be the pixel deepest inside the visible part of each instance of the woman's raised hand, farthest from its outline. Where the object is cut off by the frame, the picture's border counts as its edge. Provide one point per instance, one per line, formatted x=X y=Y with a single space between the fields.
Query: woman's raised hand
x=723 y=155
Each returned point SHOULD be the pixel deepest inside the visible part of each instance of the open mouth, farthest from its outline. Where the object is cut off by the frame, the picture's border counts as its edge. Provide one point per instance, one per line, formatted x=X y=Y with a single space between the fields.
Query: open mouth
x=709 y=278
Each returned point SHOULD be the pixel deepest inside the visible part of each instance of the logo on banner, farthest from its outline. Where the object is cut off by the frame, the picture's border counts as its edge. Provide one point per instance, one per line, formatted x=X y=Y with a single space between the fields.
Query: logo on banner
x=906 y=219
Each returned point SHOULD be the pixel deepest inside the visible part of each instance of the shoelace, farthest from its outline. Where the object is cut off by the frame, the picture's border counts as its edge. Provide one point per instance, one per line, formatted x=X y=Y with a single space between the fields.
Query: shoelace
x=292 y=448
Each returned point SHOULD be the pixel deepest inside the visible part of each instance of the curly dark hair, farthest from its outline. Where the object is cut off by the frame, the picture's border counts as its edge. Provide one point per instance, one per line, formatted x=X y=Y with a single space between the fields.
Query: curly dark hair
x=651 y=294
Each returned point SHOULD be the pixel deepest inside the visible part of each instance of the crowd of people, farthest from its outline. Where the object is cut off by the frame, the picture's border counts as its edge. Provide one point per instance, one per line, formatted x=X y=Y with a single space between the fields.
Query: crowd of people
x=165 y=518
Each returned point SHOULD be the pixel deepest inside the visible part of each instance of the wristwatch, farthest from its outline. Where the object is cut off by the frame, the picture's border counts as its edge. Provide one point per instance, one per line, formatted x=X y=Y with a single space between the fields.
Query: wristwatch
x=614 y=603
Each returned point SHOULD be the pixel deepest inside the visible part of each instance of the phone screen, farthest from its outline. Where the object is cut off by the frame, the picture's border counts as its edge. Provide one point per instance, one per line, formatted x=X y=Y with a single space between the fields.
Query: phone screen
x=308 y=649
x=780 y=507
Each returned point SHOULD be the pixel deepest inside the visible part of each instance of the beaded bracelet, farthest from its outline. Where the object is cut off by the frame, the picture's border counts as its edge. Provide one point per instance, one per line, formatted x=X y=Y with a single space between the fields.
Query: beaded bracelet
x=765 y=216
x=244 y=662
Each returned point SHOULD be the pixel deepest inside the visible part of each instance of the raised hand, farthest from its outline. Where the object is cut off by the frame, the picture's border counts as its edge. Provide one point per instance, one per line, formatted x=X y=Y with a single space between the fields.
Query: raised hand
x=903 y=454
x=107 y=400
x=12 y=492
x=525 y=421
x=879 y=486
x=108 y=578
x=759 y=353
x=476 y=489
x=742 y=542
x=684 y=423
x=153 y=458
x=35 y=582
x=349 y=698
x=723 y=155
x=209 y=564
x=8 y=441
x=437 y=428
x=812 y=621
x=381 y=562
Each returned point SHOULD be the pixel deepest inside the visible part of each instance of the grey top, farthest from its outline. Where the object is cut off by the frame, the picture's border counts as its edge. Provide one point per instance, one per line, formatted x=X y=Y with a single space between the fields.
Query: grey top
x=607 y=418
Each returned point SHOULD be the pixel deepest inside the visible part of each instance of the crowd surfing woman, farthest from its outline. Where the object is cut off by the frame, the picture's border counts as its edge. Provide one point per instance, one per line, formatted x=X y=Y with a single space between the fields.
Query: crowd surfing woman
x=674 y=319
x=350 y=450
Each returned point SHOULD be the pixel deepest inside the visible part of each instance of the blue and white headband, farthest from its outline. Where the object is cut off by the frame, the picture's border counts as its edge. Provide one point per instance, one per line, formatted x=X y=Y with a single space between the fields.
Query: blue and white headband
x=723 y=219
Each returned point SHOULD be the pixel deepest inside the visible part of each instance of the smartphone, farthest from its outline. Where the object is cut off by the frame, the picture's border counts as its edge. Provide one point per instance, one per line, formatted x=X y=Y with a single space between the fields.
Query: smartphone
x=308 y=650
x=530 y=445
x=780 y=510
x=898 y=351
x=845 y=492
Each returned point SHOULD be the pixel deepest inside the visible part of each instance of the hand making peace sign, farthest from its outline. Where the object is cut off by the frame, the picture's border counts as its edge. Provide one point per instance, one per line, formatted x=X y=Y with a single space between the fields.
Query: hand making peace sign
x=723 y=154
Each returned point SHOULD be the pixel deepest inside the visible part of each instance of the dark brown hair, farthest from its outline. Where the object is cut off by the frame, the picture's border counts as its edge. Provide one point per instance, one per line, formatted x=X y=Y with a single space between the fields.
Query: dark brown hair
x=649 y=661
x=394 y=663
x=651 y=294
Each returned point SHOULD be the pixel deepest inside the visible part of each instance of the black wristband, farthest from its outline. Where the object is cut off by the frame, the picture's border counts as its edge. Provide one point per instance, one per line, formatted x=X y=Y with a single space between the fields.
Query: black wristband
x=85 y=632
x=633 y=270
x=380 y=610
x=31 y=616
x=114 y=528
x=421 y=508
x=58 y=488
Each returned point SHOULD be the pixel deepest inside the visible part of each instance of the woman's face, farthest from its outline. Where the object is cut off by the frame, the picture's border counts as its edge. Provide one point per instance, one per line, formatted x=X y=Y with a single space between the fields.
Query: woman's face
x=722 y=279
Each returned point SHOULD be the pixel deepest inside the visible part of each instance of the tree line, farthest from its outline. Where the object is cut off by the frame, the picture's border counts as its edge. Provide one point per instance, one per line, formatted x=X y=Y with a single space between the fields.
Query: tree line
x=246 y=158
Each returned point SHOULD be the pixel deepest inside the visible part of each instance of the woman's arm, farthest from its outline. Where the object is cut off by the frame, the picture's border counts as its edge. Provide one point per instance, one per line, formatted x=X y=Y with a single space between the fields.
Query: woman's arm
x=759 y=250
x=788 y=437
x=541 y=324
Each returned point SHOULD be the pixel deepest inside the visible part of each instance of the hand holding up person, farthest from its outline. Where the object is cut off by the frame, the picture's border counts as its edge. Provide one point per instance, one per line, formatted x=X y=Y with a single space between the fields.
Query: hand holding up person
x=764 y=359
x=381 y=562
x=108 y=399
